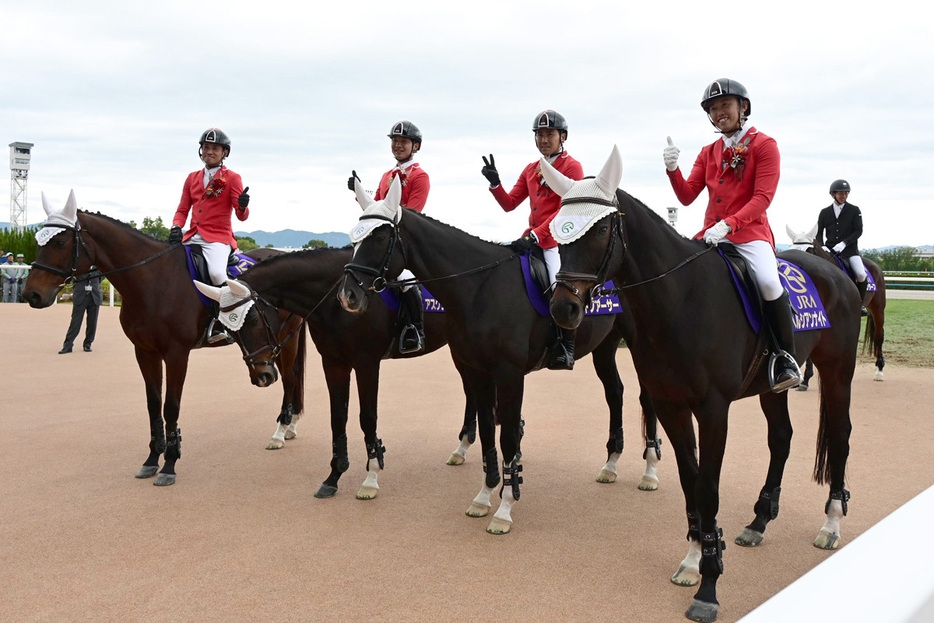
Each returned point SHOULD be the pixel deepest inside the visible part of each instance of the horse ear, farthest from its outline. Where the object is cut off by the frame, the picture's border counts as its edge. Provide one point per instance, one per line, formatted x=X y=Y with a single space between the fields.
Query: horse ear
x=394 y=198
x=612 y=173
x=791 y=233
x=212 y=292
x=364 y=199
x=812 y=234
x=558 y=182
x=238 y=288
x=70 y=211
x=46 y=205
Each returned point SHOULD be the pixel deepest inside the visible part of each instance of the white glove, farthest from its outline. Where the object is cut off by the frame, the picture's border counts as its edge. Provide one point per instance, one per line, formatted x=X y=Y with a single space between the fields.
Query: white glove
x=839 y=247
x=671 y=156
x=716 y=233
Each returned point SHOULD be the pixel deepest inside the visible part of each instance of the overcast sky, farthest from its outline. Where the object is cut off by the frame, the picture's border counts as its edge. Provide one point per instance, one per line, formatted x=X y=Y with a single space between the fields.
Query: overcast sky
x=115 y=97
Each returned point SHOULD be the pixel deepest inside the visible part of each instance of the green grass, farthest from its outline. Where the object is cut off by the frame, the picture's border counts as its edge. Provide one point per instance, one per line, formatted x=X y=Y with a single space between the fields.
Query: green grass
x=909 y=334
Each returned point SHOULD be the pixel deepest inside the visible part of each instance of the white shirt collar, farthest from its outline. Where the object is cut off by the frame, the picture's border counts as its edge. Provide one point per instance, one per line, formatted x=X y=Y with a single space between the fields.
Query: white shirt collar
x=402 y=166
x=730 y=141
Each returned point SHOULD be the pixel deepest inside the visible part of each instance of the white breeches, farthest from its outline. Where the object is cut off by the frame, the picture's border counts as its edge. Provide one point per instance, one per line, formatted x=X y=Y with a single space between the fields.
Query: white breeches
x=856 y=263
x=552 y=262
x=761 y=259
x=406 y=274
x=215 y=255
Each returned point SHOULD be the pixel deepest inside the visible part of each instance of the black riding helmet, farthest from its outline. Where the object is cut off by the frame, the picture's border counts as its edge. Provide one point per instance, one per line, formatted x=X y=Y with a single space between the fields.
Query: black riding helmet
x=840 y=186
x=407 y=129
x=214 y=135
x=550 y=119
x=725 y=86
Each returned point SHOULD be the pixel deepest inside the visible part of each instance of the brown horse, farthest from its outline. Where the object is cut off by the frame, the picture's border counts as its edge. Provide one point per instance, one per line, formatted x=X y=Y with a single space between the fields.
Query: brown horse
x=160 y=313
x=874 y=335
x=696 y=353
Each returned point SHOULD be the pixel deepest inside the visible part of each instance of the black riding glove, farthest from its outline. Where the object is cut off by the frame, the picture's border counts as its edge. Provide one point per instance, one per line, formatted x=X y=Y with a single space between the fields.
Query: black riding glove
x=489 y=171
x=244 y=199
x=525 y=243
x=175 y=234
x=350 y=180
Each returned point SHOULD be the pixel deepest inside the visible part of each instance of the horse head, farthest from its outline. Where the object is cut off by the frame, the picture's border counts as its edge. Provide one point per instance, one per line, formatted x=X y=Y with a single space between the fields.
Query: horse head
x=250 y=324
x=584 y=231
x=59 y=258
x=375 y=240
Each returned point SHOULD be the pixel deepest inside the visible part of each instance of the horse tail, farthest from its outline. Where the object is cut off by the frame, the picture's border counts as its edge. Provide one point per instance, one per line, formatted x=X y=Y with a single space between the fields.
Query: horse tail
x=821 y=464
x=869 y=336
x=298 y=399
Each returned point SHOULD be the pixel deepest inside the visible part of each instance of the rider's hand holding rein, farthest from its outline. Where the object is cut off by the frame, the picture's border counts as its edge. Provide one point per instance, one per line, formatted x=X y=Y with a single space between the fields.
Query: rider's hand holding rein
x=716 y=233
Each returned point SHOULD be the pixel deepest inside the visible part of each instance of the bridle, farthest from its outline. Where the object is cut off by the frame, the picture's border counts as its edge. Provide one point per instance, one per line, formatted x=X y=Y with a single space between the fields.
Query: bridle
x=562 y=278
x=379 y=274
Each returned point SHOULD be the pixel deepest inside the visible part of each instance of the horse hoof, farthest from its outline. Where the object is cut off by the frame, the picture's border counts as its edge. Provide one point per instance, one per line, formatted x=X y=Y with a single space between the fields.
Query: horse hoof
x=686 y=577
x=606 y=476
x=801 y=388
x=290 y=434
x=749 y=538
x=826 y=540
x=499 y=526
x=478 y=510
x=367 y=493
x=275 y=444
x=164 y=480
x=648 y=484
x=702 y=611
x=147 y=471
x=325 y=491
x=878 y=376
x=455 y=459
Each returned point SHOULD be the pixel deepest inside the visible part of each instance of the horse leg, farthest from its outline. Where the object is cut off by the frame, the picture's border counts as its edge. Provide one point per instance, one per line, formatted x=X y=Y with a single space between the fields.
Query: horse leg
x=367 y=390
x=291 y=364
x=833 y=449
x=468 y=434
x=712 y=427
x=176 y=368
x=485 y=395
x=877 y=321
x=653 y=443
x=337 y=376
x=604 y=362
x=150 y=365
x=509 y=408
x=775 y=407
x=679 y=427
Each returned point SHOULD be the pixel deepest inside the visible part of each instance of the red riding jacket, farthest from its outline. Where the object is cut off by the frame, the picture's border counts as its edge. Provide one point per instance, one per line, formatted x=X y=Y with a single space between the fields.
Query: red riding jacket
x=211 y=207
x=545 y=202
x=741 y=195
x=415 y=186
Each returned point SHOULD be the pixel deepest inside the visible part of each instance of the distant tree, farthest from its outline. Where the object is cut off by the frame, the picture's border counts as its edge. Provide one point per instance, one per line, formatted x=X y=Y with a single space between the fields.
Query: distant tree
x=154 y=227
x=246 y=244
x=899 y=259
x=269 y=246
x=315 y=244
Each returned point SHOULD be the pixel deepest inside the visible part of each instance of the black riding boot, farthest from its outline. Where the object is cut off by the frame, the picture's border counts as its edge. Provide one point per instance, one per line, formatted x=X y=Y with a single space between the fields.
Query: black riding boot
x=412 y=336
x=562 y=352
x=785 y=372
x=861 y=286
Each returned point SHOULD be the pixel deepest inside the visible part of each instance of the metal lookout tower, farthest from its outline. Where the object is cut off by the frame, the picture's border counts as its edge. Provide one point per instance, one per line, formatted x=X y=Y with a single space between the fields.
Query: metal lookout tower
x=20 y=153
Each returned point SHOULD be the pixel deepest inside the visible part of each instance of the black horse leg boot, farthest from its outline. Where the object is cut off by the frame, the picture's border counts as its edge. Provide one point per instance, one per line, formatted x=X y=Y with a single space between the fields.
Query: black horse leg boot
x=861 y=286
x=412 y=338
x=562 y=353
x=784 y=372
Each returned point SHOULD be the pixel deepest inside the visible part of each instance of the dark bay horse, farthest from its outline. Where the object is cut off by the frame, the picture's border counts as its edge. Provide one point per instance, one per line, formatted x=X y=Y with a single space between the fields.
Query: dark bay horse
x=305 y=283
x=874 y=335
x=696 y=353
x=160 y=313
x=494 y=332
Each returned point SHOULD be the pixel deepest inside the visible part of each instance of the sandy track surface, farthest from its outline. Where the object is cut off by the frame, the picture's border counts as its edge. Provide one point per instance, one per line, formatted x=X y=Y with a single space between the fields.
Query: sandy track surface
x=240 y=537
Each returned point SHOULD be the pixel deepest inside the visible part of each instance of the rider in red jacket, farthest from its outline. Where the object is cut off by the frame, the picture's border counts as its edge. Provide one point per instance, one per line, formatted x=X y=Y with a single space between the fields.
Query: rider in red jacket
x=210 y=195
x=406 y=141
x=740 y=171
x=551 y=130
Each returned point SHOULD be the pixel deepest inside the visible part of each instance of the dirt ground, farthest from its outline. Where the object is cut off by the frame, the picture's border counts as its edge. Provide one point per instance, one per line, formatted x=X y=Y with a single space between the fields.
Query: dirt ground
x=239 y=537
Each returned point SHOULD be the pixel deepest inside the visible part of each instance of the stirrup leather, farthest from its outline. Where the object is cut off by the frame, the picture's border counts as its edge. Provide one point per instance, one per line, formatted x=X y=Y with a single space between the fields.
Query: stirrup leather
x=792 y=382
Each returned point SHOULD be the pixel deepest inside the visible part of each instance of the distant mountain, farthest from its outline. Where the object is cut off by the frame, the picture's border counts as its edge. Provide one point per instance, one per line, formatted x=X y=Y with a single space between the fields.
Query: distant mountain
x=294 y=239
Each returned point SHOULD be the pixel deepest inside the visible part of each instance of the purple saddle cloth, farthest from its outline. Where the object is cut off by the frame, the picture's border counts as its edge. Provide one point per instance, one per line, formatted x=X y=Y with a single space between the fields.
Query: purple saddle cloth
x=243 y=263
x=871 y=287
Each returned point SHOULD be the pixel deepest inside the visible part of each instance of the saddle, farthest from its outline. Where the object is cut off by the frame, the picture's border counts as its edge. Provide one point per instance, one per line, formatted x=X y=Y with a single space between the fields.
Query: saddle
x=237 y=264
x=845 y=266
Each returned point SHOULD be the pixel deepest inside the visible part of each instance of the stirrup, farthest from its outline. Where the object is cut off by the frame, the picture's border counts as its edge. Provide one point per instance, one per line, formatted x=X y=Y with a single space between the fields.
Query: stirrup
x=419 y=340
x=785 y=385
x=218 y=337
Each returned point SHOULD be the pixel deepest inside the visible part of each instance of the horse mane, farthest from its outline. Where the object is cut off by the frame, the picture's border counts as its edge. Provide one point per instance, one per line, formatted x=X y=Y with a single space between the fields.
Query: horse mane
x=300 y=255
x=652 y=214
x=116 y=221
x=448 y=225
